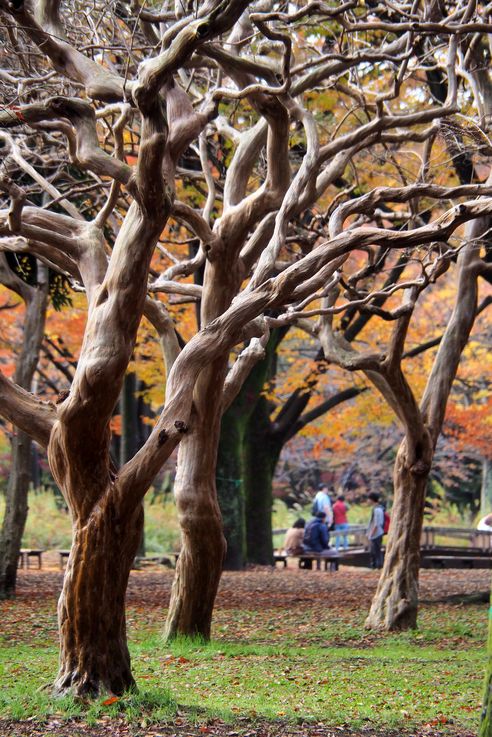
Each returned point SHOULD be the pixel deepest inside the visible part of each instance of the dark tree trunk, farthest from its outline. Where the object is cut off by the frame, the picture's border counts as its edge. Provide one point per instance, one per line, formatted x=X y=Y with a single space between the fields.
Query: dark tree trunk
x=94 y=657
x=130 y=432
x=16 y=504
x=261 y=454
x=230 y=492
x=395 y=603
x=15 y=515
x=237 y=477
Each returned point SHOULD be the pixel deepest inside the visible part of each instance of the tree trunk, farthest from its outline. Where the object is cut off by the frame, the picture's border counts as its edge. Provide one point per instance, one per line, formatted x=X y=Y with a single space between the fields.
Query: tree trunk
x=486 y=489
x=236 y=479
x=260 y=458
x=486 y=716
x=203 y=545
x=130 y=440
x=94 y=656
x=230 y=490
x=395 y=603
x=15 y=514
x=16 y=504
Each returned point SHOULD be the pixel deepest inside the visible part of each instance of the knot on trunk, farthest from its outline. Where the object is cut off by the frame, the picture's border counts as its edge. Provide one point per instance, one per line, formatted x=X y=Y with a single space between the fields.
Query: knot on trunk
x=420 y=468
x=181 y=426
x=162 y=437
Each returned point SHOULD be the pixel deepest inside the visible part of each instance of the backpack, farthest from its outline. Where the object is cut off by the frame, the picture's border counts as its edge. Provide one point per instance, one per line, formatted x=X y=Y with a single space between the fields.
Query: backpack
x=307 y=540
x=387 y=520
x=315 y=509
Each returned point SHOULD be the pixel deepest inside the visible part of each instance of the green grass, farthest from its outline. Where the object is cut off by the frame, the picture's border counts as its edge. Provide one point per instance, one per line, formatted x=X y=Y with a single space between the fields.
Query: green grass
x=276 y=665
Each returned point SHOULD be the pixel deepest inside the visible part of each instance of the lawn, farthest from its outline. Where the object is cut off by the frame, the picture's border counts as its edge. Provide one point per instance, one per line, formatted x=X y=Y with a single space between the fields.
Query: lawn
x=289 y=652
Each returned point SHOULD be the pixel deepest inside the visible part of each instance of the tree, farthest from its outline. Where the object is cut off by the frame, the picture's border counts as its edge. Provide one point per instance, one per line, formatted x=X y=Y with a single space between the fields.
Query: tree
x=395 y=603
x=34 y=293
x=236 y=103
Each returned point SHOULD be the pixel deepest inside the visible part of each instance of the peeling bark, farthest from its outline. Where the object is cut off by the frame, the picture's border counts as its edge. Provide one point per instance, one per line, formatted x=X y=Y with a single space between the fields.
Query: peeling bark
x=203 y=545
x=395 y=603
x=94 y=657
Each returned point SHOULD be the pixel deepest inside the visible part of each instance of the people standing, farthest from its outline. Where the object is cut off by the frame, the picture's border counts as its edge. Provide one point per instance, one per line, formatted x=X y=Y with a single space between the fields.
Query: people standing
x=375 y=530
x=322 y=503
x=340 y=509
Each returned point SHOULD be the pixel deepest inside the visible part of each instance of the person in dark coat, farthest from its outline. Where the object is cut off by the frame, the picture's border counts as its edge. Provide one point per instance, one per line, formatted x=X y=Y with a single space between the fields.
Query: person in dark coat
x=316 y=538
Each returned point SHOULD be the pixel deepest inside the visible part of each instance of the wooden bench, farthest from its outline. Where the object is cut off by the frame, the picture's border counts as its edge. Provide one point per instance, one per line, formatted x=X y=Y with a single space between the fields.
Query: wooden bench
x=306 y=561
x=280 y=558
x=27 y=553
x=456 y=561
x=63 y=554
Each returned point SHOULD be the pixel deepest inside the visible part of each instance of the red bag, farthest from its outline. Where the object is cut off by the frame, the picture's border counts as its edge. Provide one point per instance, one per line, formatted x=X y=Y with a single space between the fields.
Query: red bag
x=387 y=520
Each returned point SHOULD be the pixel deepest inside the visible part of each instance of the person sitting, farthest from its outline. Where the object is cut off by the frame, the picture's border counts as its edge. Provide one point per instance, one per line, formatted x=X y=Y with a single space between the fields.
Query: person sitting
x=294 y=537
x=316 y=536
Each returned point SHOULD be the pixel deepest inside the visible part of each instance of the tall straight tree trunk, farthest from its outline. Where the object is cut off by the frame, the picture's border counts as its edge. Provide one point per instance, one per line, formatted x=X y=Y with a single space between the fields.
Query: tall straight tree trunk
x=230 y=489
x=395 y=604
x=14 y=520
x=16 y=505
x=94 y=656
x=260 y=458
x=130 y=430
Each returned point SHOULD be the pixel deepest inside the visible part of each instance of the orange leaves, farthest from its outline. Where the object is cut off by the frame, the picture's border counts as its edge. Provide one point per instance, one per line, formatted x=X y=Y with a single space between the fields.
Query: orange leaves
x=175 y=660
x=109 y=701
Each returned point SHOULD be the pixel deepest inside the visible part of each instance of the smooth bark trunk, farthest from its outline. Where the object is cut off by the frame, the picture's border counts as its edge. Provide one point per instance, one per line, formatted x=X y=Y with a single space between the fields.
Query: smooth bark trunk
x=94 y=657
x=395 y=603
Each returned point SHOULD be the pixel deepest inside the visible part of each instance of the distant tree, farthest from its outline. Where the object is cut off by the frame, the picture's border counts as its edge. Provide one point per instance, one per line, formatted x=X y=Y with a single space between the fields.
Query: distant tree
x=33 y=290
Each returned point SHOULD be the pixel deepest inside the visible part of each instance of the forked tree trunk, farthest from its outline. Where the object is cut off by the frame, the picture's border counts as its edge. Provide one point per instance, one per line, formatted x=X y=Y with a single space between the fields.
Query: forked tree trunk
x=203 y=545
x=94 y=655
x=395 y=604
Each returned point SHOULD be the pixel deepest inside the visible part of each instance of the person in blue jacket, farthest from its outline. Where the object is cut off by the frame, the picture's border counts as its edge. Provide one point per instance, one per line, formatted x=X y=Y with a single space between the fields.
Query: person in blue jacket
x=316 y=536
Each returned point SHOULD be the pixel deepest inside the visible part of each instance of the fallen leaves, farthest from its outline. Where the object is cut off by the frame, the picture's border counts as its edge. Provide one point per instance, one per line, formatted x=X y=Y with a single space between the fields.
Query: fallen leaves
x=110 y=700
